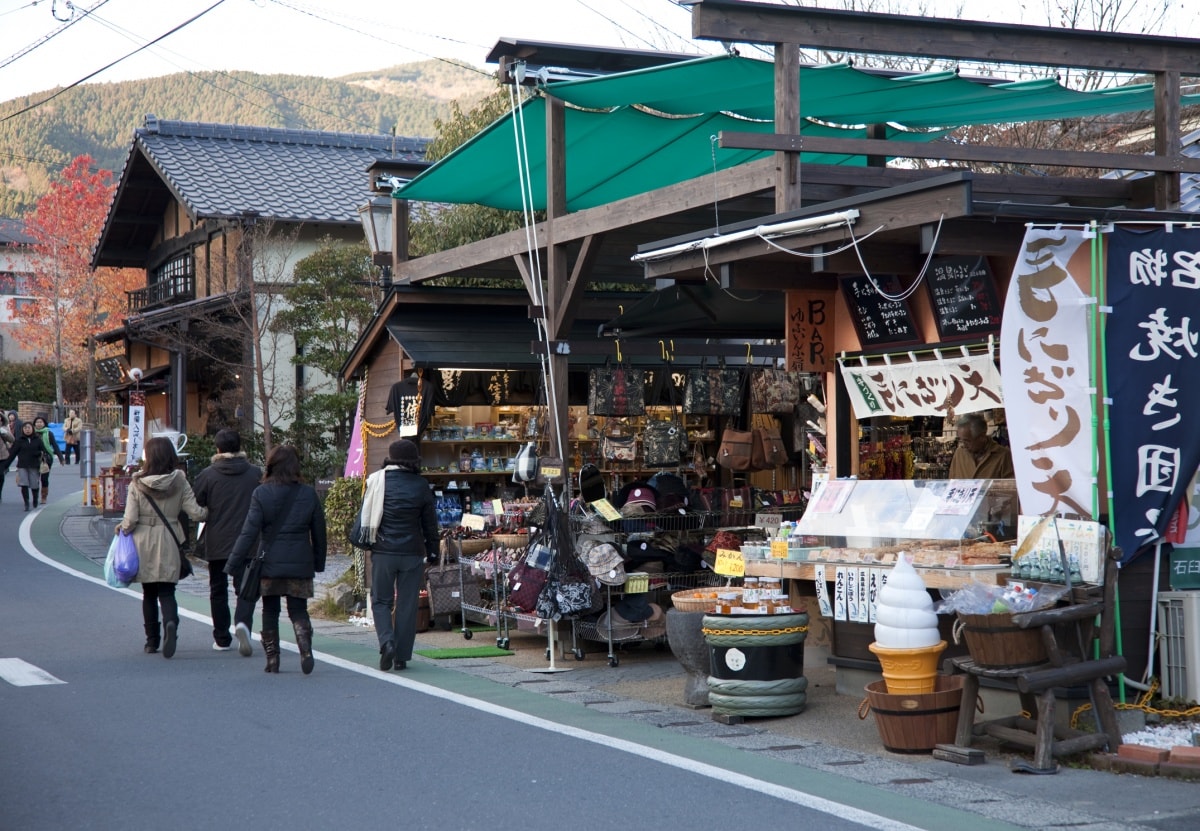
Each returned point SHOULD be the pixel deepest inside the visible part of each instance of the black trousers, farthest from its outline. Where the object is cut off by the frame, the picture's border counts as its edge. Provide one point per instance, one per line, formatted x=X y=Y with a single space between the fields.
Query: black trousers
x=218 y=601
x=155 y=595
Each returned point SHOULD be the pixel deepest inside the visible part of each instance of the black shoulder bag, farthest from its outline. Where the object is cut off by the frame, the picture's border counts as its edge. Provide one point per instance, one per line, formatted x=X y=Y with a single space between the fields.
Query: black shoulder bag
x=251 y=586
x=185 y=565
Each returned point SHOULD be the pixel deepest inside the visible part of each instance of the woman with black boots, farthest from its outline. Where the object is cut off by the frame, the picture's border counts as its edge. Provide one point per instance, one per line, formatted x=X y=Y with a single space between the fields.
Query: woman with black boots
x=288 y=515
x=28 y=451
x=160 y=483
x=7 y=437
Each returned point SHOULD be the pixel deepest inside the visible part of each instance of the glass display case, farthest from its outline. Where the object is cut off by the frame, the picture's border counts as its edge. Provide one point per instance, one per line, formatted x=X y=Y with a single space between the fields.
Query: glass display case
x=954 y=530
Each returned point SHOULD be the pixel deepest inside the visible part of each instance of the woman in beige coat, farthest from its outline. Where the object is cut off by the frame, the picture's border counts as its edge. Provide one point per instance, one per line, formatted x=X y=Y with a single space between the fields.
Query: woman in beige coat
x=158 y=554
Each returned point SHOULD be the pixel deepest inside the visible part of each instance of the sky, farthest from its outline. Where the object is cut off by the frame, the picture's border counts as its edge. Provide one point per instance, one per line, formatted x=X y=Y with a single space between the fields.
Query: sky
x=47 y=43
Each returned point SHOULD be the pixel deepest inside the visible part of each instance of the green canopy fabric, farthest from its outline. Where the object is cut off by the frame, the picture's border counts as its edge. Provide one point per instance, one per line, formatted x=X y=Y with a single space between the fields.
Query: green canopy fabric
x=638 y=131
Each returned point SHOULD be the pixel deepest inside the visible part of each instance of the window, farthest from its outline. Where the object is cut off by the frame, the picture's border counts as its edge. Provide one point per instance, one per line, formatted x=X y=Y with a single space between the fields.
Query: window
x=12 y=282
x=179 y=273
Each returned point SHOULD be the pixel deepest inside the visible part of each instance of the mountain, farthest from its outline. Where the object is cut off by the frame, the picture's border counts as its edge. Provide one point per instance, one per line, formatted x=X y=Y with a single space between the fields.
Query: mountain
x=99 y=119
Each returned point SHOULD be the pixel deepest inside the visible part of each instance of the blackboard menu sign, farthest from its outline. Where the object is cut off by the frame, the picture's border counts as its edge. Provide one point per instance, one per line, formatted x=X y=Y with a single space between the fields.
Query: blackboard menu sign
x=965 y=301
x=878 y=320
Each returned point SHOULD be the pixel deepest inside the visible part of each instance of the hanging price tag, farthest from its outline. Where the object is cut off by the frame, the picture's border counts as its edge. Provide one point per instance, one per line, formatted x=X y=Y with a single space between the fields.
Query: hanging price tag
x=498 y=507
x=472 y=521
x=779 y=549
x=605 y=509
x=730 y=563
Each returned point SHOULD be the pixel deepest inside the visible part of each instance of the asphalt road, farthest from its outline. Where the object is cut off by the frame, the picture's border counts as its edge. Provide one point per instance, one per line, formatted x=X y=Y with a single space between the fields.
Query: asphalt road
x=96 y=734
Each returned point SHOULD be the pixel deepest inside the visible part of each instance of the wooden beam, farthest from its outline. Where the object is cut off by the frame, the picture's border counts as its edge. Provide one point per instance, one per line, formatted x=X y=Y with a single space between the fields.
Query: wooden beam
x=750 y=178
x=565 y=314
x=787 y=120
x=953 y=152
x=1168 y=142
x=895 y=213
x=939 y=38
x=521 y=259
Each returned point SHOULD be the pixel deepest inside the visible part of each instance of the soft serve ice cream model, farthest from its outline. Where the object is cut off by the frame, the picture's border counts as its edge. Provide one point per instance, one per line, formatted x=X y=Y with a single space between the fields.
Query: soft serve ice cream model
x=907 y=641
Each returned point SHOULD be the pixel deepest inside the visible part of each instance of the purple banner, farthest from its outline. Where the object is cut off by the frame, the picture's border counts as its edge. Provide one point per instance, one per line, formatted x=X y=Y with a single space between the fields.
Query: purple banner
x=1152 y=348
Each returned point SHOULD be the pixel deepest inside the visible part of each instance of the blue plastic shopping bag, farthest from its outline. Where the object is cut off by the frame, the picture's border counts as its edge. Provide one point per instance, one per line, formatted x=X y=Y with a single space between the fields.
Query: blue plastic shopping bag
x=125 y=561
x=110 y=575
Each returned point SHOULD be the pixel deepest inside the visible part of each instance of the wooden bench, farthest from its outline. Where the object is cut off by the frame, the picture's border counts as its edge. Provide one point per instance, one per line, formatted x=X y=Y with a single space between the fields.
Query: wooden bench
x=1067 y=634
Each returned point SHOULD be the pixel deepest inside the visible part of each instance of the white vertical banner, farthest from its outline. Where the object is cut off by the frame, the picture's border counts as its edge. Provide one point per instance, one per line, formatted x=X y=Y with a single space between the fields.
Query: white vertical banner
x=822 y=591
x=1044 y=364
x=137 y=434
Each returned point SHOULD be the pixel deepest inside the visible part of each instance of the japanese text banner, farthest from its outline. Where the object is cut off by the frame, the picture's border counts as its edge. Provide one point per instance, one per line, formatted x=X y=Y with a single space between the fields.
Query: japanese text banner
x=355 y=460
x=963 y=384
x=1151 y=351
x=1044 y=362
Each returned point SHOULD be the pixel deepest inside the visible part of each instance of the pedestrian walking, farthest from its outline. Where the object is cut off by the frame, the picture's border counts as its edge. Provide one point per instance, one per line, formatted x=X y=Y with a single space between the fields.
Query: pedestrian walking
x=286 y=527
x=72 y=430
x=7 y=457
x=161 y=483
x=225 y=488
x=398 y=522
x=30 y=454
x=42 y=429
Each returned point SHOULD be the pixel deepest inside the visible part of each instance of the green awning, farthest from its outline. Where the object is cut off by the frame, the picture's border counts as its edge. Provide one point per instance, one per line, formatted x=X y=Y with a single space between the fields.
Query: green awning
x=638 y=131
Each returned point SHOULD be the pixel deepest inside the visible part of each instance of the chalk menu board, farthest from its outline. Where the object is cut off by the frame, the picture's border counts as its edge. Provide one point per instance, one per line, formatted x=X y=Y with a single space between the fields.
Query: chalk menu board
x=965 y=301
x=879 y=320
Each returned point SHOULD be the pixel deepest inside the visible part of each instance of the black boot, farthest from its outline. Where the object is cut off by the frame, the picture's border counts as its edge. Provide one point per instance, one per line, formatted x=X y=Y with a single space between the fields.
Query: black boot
x=25 y=497
x=270 y=642
x=35 y=497
x=170 y=630
x=304 y=643
x=151 y=638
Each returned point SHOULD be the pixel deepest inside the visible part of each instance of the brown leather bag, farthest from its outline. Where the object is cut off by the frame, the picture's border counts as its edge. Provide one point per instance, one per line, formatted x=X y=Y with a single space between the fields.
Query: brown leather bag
x=736 y=449
x=767 y=451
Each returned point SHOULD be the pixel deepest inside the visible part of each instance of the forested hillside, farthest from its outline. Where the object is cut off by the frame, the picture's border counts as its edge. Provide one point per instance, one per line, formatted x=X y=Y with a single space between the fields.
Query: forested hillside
x=99 y=119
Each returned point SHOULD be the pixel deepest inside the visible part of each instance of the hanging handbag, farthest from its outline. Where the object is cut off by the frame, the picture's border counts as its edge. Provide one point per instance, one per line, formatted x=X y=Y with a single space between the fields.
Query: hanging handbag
x=525 y=584
x=697 y=399
x=726 y=389
x=767 y=450
x=527 y=464
x=550 y=471
x=451 y=583
x=774 y=390
x=736 y=450
x=616 y=390
x=185 y=565
x=619 y=448
x=664 y=440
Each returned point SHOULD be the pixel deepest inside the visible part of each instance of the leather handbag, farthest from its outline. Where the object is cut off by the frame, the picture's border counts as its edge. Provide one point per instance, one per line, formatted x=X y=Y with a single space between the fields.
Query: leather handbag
x=735 y=452
x=616 y=391
x=767 y=450
x=525 y=584
x=774 y=390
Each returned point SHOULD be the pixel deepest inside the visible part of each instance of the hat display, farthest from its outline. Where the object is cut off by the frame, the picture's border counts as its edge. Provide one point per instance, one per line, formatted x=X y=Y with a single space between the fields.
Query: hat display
x=640 y=501
x=672 y=491
x=604 y=562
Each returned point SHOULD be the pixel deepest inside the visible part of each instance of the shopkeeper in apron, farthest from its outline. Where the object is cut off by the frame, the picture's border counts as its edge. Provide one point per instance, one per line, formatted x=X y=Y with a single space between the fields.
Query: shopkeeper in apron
x=978 y=455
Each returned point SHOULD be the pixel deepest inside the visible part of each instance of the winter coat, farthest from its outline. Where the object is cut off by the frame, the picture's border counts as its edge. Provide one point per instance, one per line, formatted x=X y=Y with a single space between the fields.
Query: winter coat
x=298 y=547
x=409 y=524
x=225 y=488
x=72 y=428
x=158 y=555
x=6 y=440
x=49 y=442
x=28 y=450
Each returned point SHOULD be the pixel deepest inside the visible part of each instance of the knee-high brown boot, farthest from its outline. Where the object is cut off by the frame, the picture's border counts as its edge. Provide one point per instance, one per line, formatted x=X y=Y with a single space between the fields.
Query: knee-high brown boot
x=270 y=642
x=304 y=633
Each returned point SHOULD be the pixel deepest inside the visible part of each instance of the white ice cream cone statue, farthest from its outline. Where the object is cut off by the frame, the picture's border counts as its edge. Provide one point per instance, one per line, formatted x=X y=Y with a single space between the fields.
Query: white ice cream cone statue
x=907 y=641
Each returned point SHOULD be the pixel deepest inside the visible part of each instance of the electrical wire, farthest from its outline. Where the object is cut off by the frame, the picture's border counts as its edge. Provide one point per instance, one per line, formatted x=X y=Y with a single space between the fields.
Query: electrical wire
x=71 y=21
x=110 y=65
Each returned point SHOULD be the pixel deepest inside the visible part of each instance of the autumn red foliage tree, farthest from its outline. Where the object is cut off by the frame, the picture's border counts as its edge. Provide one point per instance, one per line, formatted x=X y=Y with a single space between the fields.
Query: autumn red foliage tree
x=72 y=301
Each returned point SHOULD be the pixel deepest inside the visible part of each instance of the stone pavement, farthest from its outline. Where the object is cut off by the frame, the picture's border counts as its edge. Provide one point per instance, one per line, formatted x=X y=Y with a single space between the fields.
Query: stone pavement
x=828 y=736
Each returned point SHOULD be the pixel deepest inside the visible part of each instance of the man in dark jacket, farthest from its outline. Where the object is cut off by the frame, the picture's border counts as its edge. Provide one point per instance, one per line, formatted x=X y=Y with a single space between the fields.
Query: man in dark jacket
x=225 y=488
x=400 y=522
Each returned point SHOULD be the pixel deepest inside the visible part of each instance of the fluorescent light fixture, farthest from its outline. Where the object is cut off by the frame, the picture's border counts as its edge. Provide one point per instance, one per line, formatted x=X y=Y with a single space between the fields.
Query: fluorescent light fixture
x=778 y=229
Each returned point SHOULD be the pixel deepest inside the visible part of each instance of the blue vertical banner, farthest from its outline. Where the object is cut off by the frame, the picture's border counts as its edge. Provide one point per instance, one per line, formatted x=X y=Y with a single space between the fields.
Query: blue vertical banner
x=1152 y=350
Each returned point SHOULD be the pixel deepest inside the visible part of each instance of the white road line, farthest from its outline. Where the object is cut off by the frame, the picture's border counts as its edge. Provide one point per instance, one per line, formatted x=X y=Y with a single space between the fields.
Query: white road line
x=805 y=800
x=23 y=674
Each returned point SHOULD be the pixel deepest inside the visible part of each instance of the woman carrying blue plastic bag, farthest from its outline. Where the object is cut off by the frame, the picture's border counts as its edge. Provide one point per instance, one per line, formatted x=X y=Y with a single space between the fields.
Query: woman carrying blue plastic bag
x=159 y=558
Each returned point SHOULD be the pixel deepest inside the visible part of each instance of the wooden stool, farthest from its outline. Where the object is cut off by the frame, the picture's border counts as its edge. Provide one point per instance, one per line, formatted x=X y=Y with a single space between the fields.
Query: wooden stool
x=1069 y=663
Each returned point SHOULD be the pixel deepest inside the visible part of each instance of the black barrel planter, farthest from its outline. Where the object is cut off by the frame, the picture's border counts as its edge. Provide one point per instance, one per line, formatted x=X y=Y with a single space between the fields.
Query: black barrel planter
x=756 y=664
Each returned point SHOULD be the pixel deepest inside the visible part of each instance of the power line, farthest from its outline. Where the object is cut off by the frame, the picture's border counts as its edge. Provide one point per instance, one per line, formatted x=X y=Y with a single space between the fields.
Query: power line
x=48 y=37
x=108 y=66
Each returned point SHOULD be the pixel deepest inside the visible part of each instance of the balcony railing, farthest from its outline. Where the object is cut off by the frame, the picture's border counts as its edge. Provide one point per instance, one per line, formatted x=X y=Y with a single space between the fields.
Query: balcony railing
x=164 y=293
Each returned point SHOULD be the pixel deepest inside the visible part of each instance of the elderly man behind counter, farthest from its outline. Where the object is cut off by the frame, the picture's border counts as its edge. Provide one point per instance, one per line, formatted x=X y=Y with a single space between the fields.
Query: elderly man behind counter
x=978 y=456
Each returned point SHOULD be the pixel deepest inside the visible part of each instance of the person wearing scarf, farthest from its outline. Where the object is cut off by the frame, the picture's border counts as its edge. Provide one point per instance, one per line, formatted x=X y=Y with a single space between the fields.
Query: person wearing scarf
x=399 y=525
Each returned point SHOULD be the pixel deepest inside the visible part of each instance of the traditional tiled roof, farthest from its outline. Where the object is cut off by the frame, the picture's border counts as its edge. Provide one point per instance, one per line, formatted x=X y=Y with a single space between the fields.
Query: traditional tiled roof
x=1189 y=183
x=12 y=232
x=224 y=170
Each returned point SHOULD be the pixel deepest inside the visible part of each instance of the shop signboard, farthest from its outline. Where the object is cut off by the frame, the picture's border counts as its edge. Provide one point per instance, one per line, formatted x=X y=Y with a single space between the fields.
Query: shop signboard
x=810 y=330
x=964 y=297
x=1185 y=568
x=905 y=386
x=1152 y=352
x=878 y=320
x=1044 y=356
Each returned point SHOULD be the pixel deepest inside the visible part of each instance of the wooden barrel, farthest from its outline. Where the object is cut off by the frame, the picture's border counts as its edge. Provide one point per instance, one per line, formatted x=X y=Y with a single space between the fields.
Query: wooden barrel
x=995 y=642
x=917 y=722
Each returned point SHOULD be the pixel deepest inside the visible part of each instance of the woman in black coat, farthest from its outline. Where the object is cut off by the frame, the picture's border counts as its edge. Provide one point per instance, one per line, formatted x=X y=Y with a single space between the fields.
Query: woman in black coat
x=288 y=515
x=28 y=451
